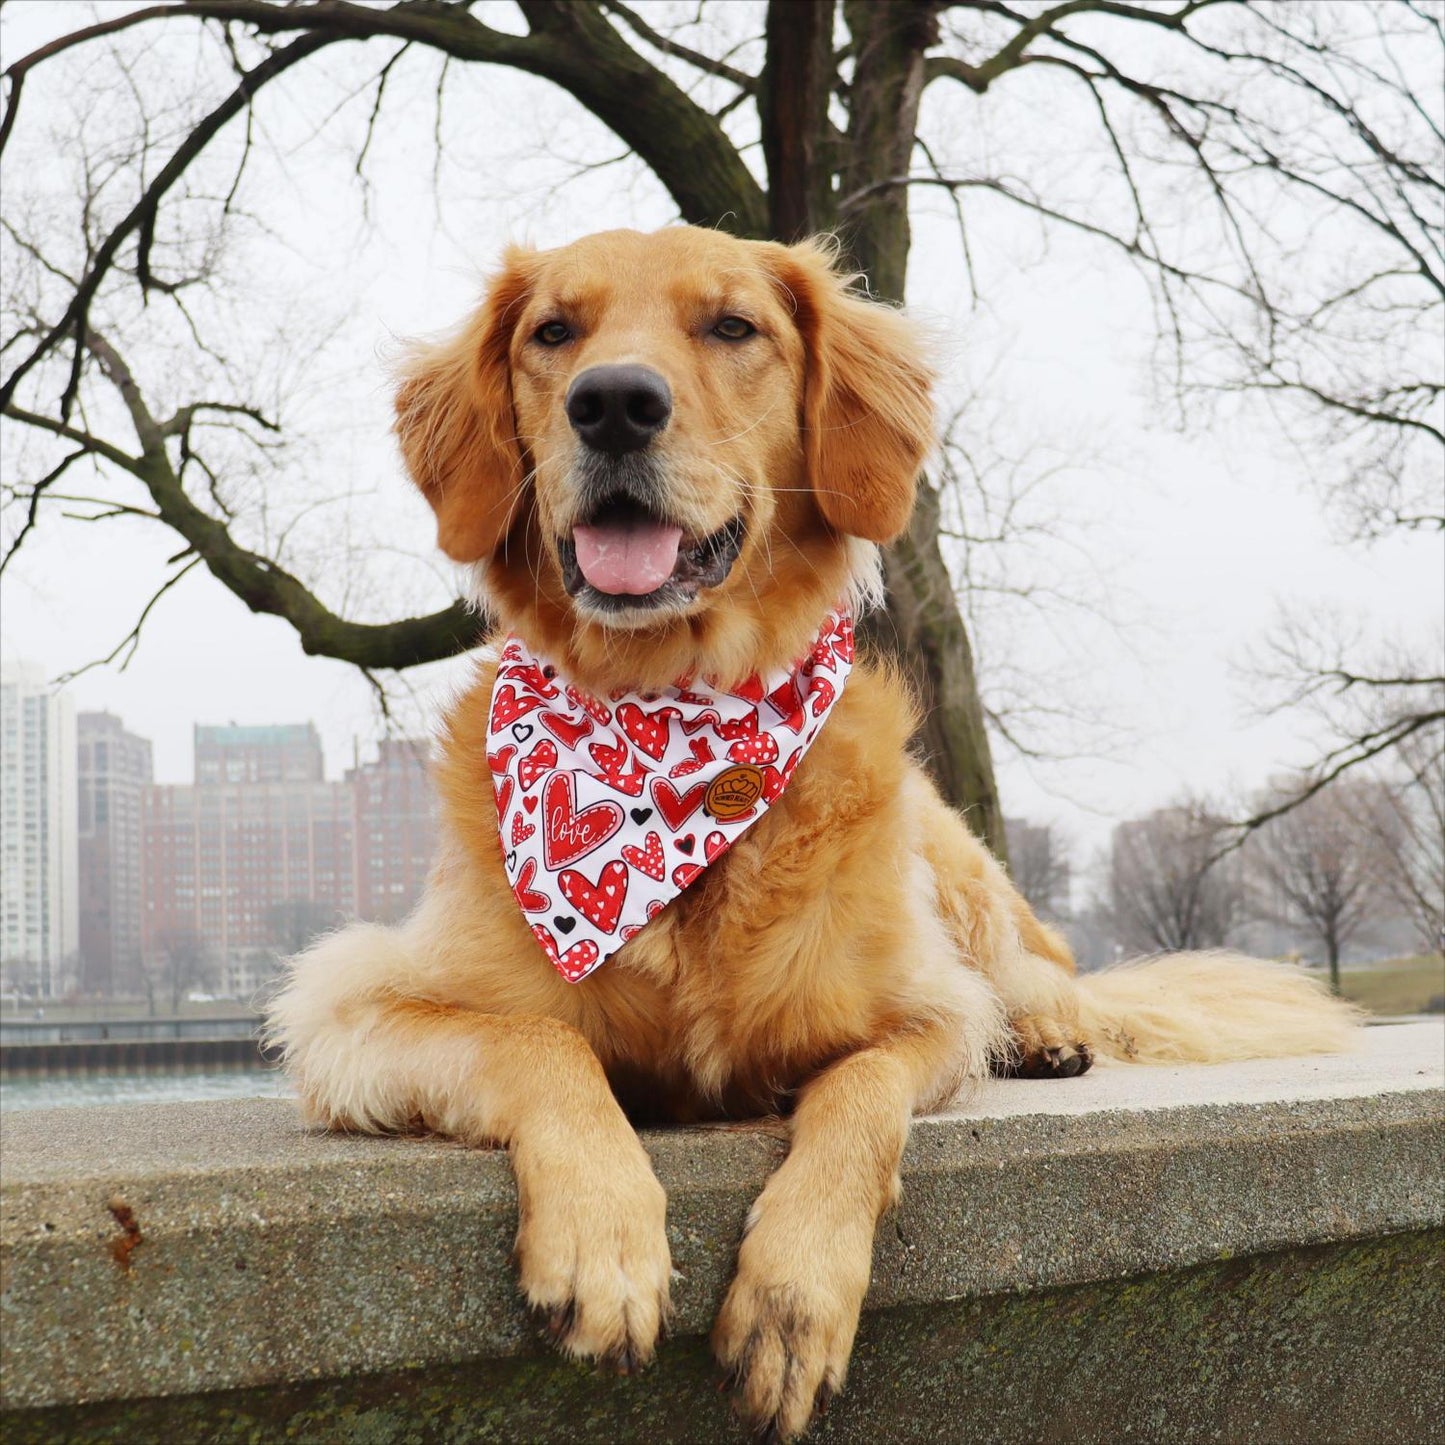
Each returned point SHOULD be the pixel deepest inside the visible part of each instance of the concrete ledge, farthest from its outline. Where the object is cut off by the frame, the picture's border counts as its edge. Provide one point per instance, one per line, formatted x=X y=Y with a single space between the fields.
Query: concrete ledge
x=272 y=1257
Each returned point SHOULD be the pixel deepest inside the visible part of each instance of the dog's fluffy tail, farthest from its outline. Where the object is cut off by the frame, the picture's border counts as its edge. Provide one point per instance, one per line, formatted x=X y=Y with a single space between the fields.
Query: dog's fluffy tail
x=1211 y=1008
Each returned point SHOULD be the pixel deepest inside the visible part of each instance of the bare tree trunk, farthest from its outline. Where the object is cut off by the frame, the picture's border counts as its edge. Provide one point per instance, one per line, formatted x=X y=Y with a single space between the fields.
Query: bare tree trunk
x=793 y=94
x=923 y=627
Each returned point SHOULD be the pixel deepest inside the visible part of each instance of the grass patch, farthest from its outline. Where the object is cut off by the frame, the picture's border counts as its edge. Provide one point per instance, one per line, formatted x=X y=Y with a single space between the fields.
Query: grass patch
x=1399 y=986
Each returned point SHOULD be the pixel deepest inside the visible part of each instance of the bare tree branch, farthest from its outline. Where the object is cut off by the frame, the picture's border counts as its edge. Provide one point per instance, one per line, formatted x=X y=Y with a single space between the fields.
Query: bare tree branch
x=141 y=219
x=747 y=84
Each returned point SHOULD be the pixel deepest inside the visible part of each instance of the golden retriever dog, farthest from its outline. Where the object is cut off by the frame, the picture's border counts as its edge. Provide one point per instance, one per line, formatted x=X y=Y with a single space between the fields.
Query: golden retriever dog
x=666 y=459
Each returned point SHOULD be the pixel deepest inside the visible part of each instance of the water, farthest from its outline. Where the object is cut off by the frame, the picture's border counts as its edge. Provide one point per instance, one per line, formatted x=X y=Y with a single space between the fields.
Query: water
x=142 y=1089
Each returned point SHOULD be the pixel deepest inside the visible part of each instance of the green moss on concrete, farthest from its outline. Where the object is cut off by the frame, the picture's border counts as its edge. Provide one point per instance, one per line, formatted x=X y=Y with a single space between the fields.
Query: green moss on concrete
x=1304 y=1347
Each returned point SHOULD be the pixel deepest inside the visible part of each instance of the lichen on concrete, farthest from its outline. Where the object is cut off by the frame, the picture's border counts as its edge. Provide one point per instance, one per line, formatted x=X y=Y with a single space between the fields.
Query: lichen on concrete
x=1306 y=1347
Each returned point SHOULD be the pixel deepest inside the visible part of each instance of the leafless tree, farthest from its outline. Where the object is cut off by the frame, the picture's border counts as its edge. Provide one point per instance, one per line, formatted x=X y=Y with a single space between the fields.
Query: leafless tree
x=1374 y=706
x=1168 y=887
x=1404 y=819
x=1315 y=868
x=182 y=962
x=1028 y=571
x=296 y=923
x=1138 y=114
x=1040 y=867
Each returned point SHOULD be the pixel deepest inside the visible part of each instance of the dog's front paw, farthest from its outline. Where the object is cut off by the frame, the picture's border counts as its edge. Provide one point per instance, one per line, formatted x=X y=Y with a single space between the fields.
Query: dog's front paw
x=1044 y=1048
x=786 y=1328
x=592 y=1255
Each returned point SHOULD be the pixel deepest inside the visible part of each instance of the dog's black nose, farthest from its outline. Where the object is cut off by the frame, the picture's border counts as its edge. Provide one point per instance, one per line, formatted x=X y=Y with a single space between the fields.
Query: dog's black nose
x=618 y=408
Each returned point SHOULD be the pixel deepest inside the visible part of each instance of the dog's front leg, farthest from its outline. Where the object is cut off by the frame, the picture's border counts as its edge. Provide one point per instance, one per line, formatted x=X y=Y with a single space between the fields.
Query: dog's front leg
x=592 y=1250
x=787 y=1326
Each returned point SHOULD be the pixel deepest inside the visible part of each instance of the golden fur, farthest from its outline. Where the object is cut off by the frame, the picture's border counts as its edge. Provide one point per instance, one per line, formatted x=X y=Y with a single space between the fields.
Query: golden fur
x=852 y=960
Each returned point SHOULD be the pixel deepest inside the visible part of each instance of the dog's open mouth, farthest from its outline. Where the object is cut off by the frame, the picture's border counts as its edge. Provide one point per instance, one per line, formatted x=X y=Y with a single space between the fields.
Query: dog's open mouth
x=626 y=557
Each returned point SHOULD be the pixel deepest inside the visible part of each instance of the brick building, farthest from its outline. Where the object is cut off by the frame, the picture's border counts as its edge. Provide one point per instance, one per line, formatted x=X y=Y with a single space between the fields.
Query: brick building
x=395 y=828
x=290 y=753
x=113 y=770
x=258 y=855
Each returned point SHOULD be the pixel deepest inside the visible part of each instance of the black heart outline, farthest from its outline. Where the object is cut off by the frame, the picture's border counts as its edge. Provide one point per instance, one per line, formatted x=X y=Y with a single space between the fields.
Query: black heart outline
x=522 y=731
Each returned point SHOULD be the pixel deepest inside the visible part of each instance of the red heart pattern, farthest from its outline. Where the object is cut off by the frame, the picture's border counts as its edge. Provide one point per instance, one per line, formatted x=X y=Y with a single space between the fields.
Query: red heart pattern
x=631 y=930
x=533 y=677
x=676 y=808
x=621 y=787
x=537 y=764
x=568 y=731
x=787 y=702
x=527 y=897
x=612 y=761
x=700 y=751
x=569 y=834
x=647 y=730
x=576 y=963
x=758 y=750
x=647 y=859
x=823 y=696
x=508 y=705
x=594 y=707
x=776 y=779
x=602 y=901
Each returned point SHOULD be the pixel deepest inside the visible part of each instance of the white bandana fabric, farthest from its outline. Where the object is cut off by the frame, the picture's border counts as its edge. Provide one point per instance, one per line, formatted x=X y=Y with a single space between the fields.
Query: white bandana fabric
x=609 y=809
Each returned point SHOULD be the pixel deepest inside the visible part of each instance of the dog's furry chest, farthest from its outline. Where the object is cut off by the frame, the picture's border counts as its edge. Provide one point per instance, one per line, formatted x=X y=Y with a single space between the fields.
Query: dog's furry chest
x=773 y=963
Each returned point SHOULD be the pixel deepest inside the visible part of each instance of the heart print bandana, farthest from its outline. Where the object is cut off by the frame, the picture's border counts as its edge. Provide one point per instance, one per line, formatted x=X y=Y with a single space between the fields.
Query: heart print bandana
x=610 y=808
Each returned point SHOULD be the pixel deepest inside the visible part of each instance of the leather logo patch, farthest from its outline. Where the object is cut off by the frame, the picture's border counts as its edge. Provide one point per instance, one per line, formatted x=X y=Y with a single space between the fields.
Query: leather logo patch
x=733 y=792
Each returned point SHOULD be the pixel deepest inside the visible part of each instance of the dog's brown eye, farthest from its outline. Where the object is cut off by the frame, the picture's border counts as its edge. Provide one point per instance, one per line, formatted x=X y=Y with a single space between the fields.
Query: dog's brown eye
x=552 y=333
x=734 y=328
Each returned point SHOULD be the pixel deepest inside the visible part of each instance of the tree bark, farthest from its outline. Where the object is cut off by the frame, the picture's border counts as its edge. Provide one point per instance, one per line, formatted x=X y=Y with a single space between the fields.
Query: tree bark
x=923 y=627
x=793 y=95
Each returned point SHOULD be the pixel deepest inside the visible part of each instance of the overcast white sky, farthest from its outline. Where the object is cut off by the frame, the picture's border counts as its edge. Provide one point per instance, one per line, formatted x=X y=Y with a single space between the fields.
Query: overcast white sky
x=1193 y=541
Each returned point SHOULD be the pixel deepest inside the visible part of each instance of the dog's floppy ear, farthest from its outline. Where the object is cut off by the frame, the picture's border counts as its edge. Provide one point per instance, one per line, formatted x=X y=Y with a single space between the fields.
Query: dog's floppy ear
x=868 y=400
x=455 y=422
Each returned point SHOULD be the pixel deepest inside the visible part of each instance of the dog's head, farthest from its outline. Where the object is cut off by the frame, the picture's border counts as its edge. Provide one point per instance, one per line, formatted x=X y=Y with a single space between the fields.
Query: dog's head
x=667 y=453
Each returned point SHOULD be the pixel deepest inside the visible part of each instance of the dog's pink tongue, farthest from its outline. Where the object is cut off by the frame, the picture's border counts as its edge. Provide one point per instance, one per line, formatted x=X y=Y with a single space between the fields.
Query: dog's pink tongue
x=629 y=558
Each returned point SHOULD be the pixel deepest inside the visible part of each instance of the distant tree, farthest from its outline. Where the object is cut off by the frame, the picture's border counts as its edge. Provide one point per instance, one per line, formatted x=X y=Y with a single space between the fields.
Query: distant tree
x=1168 y=886
x=1038 y=863
x=1404 y=819
x=182 y=961
x=1316 y=868
x=293 y=924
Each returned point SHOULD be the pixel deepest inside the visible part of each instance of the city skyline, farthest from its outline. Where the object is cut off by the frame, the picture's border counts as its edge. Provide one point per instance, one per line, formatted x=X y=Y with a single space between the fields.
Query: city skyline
x=202 y=884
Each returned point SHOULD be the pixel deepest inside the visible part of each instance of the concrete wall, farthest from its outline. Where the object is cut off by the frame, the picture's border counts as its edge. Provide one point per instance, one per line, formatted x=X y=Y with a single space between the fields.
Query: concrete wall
x=1242 y=1253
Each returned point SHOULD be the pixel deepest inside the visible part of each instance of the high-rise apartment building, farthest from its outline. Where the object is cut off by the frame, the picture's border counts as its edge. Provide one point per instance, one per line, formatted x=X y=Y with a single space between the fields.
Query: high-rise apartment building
x=113 y=772
x=39 y=916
